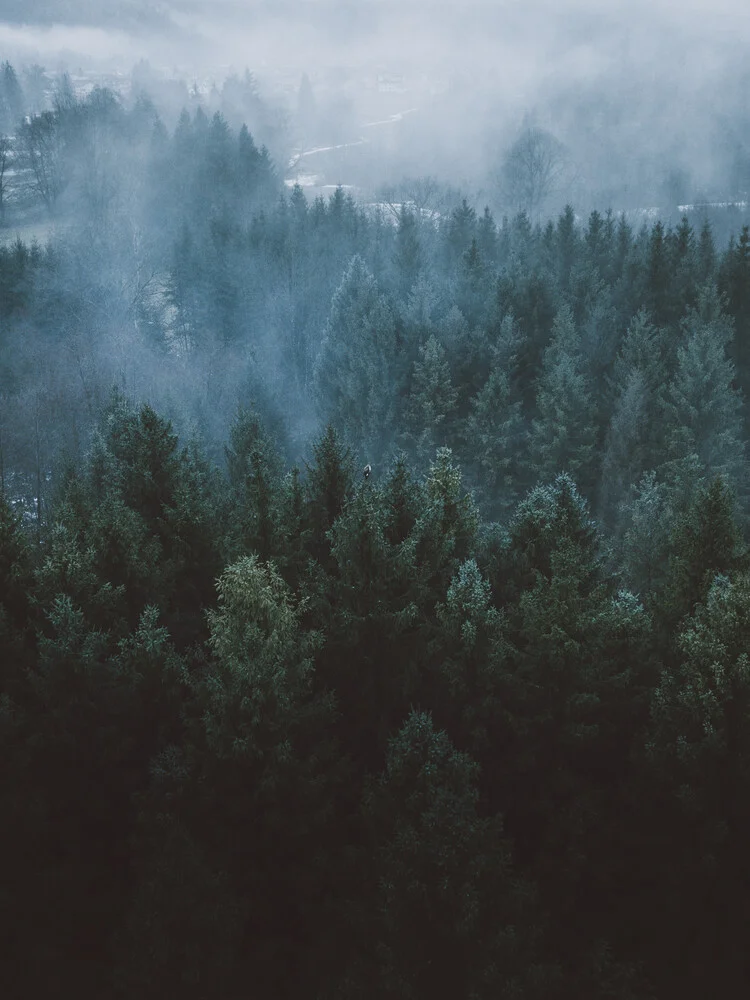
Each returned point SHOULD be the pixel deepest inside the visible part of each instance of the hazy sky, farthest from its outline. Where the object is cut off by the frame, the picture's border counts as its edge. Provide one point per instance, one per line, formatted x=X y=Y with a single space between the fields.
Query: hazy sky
x=671 y=66
x=571 y=35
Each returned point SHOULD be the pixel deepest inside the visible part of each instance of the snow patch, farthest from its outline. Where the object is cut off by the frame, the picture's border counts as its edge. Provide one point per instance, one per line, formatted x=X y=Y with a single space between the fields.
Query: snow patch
x=398 y=117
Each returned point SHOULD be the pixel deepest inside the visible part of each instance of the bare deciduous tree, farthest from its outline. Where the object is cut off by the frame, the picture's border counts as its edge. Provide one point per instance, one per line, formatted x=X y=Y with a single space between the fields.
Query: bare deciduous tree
x=425 y=196
x=532 y=169
x=41 y=149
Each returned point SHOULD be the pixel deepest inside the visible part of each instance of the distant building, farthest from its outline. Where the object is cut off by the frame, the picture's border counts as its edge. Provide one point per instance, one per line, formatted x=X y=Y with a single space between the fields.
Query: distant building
x=390 y=83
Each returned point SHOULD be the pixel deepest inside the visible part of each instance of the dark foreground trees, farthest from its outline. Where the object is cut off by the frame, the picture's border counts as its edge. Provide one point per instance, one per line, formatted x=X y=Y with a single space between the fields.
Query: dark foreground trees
x=384 y=756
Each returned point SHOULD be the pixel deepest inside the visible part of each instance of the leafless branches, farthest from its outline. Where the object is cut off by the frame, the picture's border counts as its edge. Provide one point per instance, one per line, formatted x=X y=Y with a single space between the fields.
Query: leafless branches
x=533 y=168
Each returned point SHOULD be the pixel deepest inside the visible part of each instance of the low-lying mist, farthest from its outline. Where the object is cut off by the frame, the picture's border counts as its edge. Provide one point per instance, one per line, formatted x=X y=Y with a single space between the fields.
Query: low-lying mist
x=648 y=100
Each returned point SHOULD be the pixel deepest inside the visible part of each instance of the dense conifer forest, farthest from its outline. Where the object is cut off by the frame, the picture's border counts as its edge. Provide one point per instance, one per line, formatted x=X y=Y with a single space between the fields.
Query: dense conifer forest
x=476 y=725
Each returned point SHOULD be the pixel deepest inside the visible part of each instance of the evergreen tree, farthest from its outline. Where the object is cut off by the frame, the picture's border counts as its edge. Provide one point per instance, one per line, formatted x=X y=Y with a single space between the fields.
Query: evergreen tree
x=734 y=282
x=445 y=530
x=16 y=579
x=459 y=231
x=646 y=524
x=254 y=472
x=487 y=238
x=402 y=501
x=432 y=400
x=467 y=351
x=140 y=526
x=566 y=245
x=408 y=255
x=657 y=298
x=471 y=286
x=448 y=907
x=468 y=650
x=560 y=761
x=705 y=541
x=495 y=436
x=100 y=712
x=329 y=485
x=701 y=405
x=373 y=617
x=699 y=747
x=257 y=749
x=291 y=528
x=599 y=325
x=683 y=283
x=705 y=254
x=354 y=372
x=563 y=435
x=633 y=438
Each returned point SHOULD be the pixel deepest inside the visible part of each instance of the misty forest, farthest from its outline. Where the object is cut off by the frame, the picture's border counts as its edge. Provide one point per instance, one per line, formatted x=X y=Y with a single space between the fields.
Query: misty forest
x=374 y=574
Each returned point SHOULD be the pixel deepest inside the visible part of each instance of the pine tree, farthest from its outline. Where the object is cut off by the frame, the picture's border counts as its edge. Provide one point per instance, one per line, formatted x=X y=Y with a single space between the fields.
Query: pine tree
x=658 y=299
x=735 y=282
x=354 y=372
x=487 y=238
x=633 y=442
x=705 y=255
x=373 y=614
x=646 y=524
x=467 y=351
x=467 y=649
x=101 y=711
x=563 y=435
x=566 y=246
x=329 y=485
x=572 y=700
x=218 y=169
x=597 y=236
x=408 y=254
x=140 y=527
x=254 y=471
x=683 y=251
x=402 y=500
x=292 y=530
x=431 y=402
x=495 y=435
x=15 y=571
x=249 y=789
x=446 y=897
x=548 y=516
x=471 y=285
x=460 y=230
x=267 y=729
x=705 y=541
x=445 y=532
x=698 y=745
x=599 y=325
x=701 y=406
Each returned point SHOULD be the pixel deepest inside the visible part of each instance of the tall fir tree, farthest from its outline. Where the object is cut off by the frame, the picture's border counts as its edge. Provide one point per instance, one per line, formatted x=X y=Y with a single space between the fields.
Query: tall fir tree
x=254 y=474
x=355 y=373
x=698 y=745
x=702 y=407
x=563 y=434
x=431 y=402
x=495 y=437
x=634 y=435
x=448 y=905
